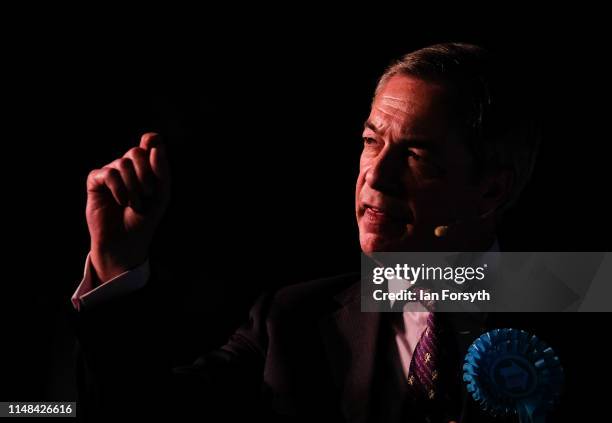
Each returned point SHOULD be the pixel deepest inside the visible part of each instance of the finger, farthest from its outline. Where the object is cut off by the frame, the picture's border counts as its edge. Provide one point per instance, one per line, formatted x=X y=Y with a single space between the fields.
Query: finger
x=142 y=166
x=130 y=180
x=105 y=180
x=150 y=140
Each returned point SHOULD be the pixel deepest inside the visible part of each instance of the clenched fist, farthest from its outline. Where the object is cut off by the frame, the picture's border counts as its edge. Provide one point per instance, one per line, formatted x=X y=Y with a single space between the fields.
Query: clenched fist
x=126 y=200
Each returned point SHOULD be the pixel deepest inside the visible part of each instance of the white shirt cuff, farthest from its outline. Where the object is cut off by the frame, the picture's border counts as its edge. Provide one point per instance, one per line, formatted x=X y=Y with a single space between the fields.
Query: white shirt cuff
x=87 y=296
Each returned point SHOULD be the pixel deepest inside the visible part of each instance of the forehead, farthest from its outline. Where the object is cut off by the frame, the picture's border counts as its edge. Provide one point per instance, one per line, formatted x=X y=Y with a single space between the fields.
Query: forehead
x=410 y=106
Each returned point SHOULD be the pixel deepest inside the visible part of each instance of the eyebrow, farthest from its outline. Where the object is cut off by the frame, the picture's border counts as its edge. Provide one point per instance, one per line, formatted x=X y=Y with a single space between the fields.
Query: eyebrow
x=369 y=125
x=423 y=143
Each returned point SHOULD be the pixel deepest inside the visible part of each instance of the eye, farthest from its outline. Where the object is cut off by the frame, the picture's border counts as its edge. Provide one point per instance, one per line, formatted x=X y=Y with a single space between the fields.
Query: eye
x=414 y=155
x=369 y=140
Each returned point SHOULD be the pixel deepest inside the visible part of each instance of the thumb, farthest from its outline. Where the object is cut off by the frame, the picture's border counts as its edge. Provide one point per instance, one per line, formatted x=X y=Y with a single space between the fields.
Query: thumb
x=160 y=165
x=150 y=140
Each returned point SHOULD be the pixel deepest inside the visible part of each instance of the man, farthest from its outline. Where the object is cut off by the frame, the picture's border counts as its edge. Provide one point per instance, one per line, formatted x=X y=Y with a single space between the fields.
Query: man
x=445 y=152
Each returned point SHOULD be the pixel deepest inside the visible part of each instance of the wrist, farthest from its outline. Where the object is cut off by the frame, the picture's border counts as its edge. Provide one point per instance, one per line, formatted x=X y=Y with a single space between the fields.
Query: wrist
x=107 y=265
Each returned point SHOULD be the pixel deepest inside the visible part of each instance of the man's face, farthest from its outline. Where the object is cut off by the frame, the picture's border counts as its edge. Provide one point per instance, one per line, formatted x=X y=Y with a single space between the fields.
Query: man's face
x=415 y=173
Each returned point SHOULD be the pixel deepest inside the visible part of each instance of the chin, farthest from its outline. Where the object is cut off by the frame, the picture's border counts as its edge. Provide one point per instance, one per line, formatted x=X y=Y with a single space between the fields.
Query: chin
x=376 y=243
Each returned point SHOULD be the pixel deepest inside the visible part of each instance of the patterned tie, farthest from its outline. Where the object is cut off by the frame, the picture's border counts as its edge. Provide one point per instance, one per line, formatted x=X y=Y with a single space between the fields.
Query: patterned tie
x=423 y=375
x=434 y=375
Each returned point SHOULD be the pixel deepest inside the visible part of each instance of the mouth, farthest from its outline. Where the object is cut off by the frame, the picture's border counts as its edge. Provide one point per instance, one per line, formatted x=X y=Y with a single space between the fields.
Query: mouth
x=378 y=214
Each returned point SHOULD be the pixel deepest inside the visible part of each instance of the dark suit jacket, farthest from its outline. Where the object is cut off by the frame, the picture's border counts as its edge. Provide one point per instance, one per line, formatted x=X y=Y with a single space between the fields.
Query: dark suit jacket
x=306 y=353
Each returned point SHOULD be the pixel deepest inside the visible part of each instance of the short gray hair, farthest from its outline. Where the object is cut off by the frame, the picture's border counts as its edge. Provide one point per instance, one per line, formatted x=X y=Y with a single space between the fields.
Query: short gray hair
x=499 y=126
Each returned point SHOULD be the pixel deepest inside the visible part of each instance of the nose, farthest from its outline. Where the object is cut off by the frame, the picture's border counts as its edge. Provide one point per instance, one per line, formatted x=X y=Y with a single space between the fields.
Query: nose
x=385 y=173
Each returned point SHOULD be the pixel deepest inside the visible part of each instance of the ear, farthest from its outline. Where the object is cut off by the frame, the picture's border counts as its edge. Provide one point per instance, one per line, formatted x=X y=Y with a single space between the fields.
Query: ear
x=495 y=188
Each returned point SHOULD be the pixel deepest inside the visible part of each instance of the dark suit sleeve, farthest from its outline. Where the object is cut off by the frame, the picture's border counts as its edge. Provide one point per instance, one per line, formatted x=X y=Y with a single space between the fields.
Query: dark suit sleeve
x=124 y=366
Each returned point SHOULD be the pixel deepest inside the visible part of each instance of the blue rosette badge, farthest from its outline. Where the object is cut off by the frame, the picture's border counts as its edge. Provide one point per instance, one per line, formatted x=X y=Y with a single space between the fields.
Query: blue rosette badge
x=509 y=371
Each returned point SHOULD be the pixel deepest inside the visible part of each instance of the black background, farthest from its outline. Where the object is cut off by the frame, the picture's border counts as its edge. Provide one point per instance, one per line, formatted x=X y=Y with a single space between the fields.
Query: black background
x=263 y=124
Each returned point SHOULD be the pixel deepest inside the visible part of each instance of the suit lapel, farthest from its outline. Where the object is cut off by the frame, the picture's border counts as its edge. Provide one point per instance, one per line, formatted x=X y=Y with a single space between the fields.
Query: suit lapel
x=350 y=337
